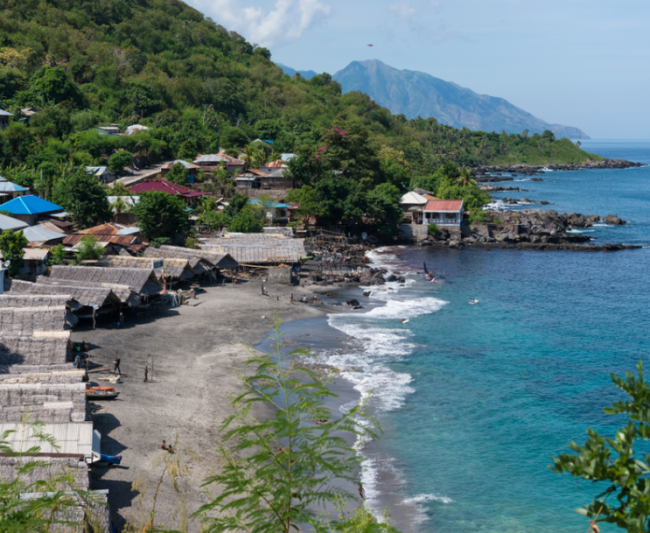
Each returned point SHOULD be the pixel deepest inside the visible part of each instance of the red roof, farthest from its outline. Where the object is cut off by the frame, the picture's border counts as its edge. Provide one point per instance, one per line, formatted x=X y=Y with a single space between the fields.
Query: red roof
x=453 y=206
x=163 y=185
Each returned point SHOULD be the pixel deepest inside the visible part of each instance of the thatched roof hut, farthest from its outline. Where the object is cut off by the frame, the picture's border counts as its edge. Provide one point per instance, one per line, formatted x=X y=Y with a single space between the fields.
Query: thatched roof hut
x=28 y=320
x=200 y=260
x=77 y=296
x=173 y=268
x=49 y=468
x=123 y=293
x=45 y=402
x=55 y=376
x=38 y=299
x=257 y=254
x=27 y=350
x=142 y=281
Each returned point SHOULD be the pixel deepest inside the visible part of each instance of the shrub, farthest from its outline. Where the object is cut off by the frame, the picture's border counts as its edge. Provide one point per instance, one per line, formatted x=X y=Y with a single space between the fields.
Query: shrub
x=433 y=230
x=89 y=248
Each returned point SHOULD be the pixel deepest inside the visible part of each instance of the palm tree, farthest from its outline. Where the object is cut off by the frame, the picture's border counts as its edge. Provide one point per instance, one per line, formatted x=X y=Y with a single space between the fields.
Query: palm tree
x=466 y=178
x=119 y=206
x=254 y=156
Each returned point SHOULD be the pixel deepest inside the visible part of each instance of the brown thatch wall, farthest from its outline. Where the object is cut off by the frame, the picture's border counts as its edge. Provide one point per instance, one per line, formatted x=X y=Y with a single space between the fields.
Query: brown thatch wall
x=26 y=320
x=45 y=402
x=26 y=350
x=54 y=467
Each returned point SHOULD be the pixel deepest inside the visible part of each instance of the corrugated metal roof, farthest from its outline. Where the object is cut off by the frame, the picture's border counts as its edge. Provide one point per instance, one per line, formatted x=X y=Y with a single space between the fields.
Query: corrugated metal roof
x=413 y=198
x=4 y=113
x=11 y=223
x=30 y=205
x=163 y=185
x=41 y=234
x=451 y=206
x=71 y=437
x=110 y=228
x=7 y=186
x=185 y=164
x=120 y=240
x=279 y=163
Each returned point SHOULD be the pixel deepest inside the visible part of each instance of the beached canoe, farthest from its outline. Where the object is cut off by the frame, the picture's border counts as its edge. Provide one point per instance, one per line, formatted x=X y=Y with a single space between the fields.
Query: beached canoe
x=101 y=395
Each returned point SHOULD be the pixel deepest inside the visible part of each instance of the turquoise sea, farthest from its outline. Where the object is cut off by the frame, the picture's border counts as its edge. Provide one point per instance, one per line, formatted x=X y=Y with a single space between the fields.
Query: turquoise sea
x=475 y=400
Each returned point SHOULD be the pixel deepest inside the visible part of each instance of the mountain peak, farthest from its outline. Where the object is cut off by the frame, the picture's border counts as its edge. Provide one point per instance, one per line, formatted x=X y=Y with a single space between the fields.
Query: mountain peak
x=417 y=94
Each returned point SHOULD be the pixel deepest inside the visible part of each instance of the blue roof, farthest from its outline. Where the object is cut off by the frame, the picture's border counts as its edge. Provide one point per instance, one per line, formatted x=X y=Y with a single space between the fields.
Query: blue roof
x=7 y=186
x=29 y=205
x=272 y=204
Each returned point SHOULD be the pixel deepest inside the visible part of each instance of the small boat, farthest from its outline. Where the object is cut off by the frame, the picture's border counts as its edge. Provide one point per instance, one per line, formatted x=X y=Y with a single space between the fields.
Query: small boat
x=473 y=301
x=98 y=388
x=101 y=395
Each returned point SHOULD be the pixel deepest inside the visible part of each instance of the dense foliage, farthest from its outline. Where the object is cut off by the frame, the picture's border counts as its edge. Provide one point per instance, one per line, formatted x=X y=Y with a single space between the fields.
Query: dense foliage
x=12 y=246
x=620 y=463
x=197 y=86
x=160 y=215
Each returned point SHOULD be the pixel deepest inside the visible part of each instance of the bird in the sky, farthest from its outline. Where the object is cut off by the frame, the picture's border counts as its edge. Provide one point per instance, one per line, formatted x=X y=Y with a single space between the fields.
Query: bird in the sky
x=371 y=45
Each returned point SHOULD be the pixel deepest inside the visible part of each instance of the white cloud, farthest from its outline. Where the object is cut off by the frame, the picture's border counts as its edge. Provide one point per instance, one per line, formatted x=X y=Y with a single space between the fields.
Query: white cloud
x=404 y=9
x=285 y=22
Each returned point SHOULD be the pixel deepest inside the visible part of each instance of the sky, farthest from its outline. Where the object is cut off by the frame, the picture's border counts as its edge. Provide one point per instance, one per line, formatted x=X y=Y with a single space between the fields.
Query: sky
x=582 y=63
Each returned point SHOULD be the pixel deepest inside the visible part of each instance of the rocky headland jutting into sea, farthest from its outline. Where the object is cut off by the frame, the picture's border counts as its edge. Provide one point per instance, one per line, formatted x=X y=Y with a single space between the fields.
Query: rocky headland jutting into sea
x=531 y=229
x=487 y=172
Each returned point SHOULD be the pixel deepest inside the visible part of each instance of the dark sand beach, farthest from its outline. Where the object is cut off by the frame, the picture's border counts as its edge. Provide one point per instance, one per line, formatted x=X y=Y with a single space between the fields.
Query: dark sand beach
x=196 y=350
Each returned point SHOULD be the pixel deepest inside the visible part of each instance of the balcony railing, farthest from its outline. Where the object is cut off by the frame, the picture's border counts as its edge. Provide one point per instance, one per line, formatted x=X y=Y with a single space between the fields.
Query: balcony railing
x=437 y=221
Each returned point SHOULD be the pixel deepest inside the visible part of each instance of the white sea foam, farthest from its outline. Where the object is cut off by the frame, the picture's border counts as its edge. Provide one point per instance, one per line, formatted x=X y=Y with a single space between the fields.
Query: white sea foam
x=377 y=339
x=427 y=498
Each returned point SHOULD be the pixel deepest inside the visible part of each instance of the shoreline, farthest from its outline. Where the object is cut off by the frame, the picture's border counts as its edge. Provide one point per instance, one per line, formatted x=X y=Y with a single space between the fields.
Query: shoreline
x=196 y=350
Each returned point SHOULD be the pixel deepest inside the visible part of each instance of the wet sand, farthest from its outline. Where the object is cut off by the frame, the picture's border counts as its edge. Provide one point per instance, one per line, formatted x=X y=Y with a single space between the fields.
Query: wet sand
x=196 y=350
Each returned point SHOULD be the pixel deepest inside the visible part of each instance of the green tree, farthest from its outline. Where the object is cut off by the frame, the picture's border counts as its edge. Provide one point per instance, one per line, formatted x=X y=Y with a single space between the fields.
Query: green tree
x=236 y=204
x=119 y=206
x=58 y=255
x=234 y=138
x=276 y=471
x=118 y=161
x=54 y=85
x=466 y=179
x=83 y=196
x=342 y=198
x=384 y=208
x=178 y=174
x=310 y=205
x=621 y=463
x=12 y=246
x=89 y=248
x=254 y=155
x=248 y=220
x=160 y=215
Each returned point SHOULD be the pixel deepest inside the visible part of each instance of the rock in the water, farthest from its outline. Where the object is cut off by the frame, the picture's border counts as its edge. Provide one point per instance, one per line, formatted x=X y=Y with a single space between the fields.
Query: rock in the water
x=353 y=303
x=536 y=179
x=614 y=220
x=544 y=202
x=367 y=293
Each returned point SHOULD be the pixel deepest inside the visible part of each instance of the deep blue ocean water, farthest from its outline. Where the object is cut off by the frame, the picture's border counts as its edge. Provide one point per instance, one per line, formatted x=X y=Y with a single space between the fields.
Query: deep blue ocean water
x=475 y=400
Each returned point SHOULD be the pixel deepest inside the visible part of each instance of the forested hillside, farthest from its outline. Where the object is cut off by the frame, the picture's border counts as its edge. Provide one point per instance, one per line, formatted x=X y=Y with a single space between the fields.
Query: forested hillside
x=160 y=63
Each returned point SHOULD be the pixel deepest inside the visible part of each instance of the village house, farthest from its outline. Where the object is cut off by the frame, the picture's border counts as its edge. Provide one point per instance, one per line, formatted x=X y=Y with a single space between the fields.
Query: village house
x=4 y=119
x=250 y=179
x=274 y=166
x=159 y=184
x=276 y=211
x=213 y=162
x=276 y=180
x=102 y=174
x=422 y=210
x=192 y=169
x=29 y=208
x=34 y=261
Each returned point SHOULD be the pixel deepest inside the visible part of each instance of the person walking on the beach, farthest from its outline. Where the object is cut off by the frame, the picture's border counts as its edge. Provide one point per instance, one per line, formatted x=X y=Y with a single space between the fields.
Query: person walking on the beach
x=291 y=298
x=146 y=373
x=117 y=366
x=361 y=492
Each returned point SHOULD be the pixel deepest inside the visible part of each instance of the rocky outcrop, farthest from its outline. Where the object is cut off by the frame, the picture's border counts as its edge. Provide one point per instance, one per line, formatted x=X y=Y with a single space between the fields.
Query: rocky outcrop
x=531 y=229
x=613 y=220
x=498 y=188
x=484 y=173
